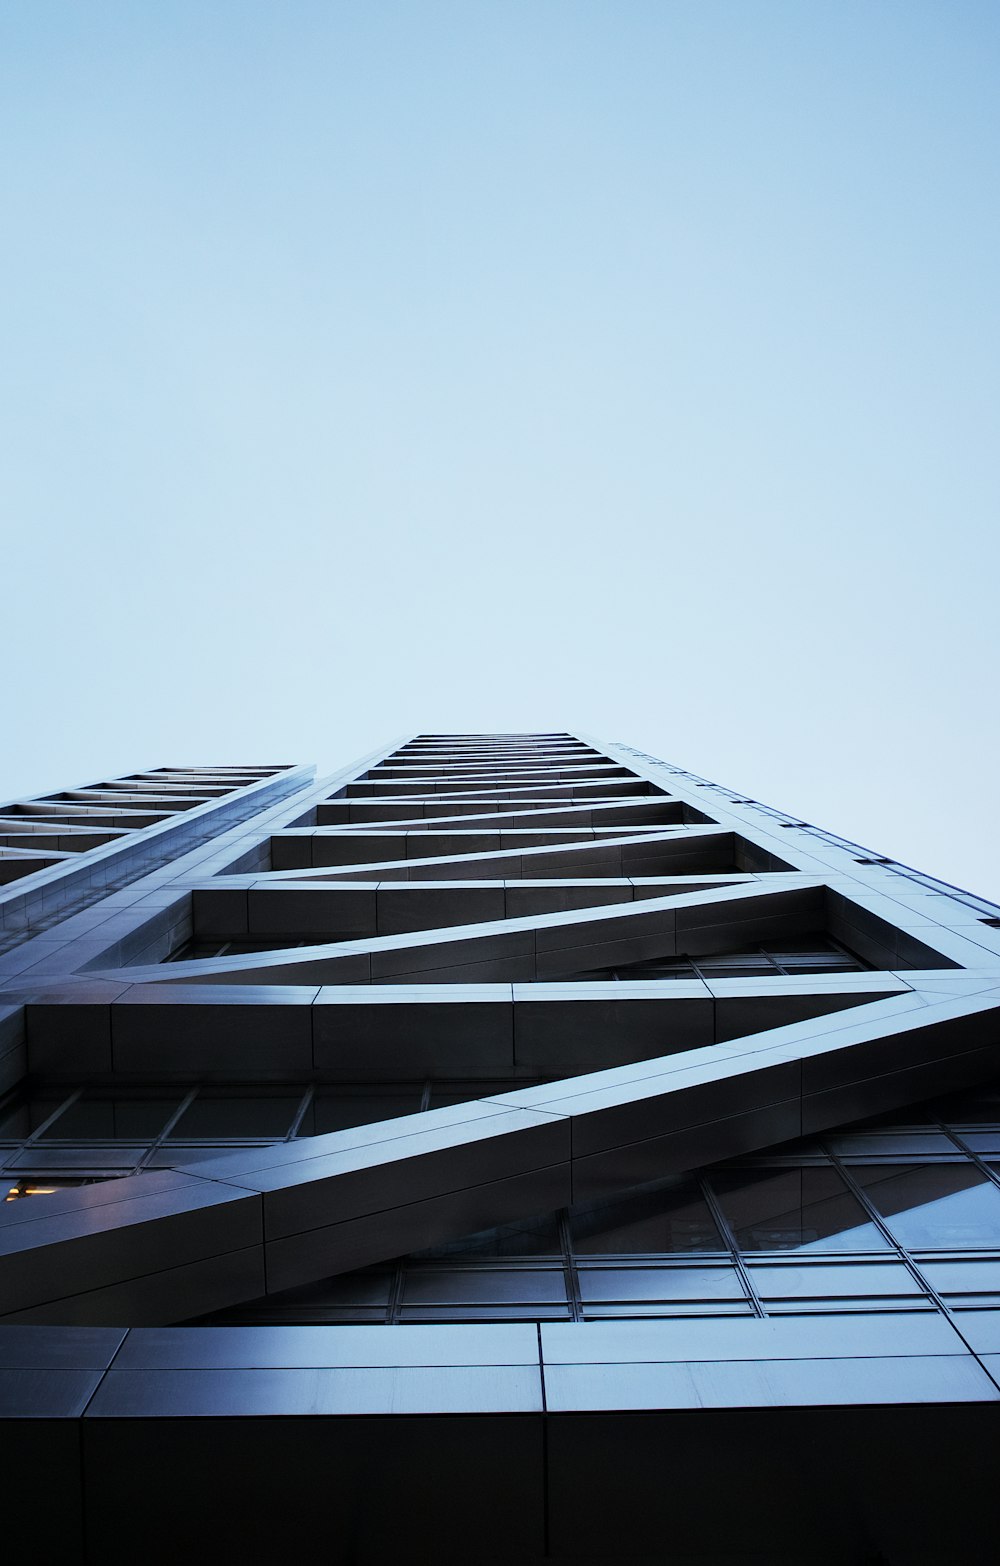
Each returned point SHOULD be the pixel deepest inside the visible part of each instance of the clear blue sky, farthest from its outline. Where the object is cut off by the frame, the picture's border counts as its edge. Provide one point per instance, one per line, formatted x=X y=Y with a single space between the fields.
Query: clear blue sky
x=629 y=365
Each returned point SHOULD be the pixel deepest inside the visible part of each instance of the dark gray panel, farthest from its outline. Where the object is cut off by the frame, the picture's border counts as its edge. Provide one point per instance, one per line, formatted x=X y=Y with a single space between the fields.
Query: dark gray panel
x=321 y=1482
x=236 y=1348
x=324 y=1391
x=46 y=1394
x=59 y=1348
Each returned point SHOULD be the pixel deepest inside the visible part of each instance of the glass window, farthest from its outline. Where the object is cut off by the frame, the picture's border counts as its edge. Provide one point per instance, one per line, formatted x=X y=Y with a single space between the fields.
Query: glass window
x=354 y=1297
x=982 y=1141
x=481 y=1285
x=224 y=1117
x=675 y=1218
x=366 y=1287
x=45 y=1105
x=538 y=1310
x=859 y=1280
x=113 y=1119
x=660 y=1283
x=794 y=1210
x=934 y=1204
x=750 y=962
x=904 y=1144
x=963 y=1277
x=530 y=1237
x=15 y=1120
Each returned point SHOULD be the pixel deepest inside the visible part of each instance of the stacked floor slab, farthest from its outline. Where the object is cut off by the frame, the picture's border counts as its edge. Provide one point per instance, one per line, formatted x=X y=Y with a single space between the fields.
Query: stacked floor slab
x=440 y=910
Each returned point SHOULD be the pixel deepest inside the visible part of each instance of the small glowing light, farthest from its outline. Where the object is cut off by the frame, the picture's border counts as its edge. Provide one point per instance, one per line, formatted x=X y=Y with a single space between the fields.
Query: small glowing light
x=40 y=1190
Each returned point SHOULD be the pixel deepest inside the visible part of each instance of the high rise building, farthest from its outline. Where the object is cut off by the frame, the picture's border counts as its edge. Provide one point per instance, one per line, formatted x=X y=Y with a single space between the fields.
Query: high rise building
x=513 y=1147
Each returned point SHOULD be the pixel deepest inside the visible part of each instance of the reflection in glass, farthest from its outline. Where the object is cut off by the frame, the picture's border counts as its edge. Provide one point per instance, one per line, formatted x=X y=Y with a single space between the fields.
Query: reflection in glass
x=807 y=1209
x=483 y=1285
x=531 y=1237
x=869 y=1280
x=673 y=1218
x=660 y=1283
x=934 y=1204
x=963 y=1276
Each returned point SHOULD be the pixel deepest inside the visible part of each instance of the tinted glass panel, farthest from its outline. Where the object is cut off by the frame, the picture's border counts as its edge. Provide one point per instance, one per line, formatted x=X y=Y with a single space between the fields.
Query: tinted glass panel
x=982 y=1141
x=660 y=1283
x=794 y=1210
x=855 y=1279
x=934 y=1204
x=15 y=1121
x=41 y=1108
x=353 y=1288
x=482 y=1285
x=532 y=1237
x=964 y=1277
x=904 y=1144
x=236 y=1117
x=674 y=1219
x=116 y=1119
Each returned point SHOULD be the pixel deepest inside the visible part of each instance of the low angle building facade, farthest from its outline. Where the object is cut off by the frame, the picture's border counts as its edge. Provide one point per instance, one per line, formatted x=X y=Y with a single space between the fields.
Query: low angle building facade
x=512 y=1147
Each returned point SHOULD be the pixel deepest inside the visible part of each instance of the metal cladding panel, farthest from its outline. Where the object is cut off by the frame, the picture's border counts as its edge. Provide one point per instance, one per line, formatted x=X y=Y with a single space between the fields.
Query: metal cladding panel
x=527 y=972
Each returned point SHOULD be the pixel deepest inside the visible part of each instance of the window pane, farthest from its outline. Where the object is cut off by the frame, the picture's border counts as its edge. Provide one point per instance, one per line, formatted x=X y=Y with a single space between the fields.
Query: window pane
x=660 y=1283
x=934 y=1204
x=350 y=1288
x=672 y=1219
x=354 y=1296
x=531 y=1237
x=114 y=1119
x=982 y=1141
x=504 y=1310
x=858 y=1280
x=83 y=1158
x=221 y=1117
x=41 y=1108
x=902 y=1144
x=15 y=1120
x=794 y=1210
x=964 y=1277
x=481 y=1285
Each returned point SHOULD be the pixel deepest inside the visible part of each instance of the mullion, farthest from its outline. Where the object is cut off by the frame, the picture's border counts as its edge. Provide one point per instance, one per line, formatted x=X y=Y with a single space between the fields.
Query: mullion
x=394 y=1305
x=300 y=1113
x=60 y=1110
x=991 y=1174
x=158 y=1141
x=861 y=1195
x=729 y=1240
x=569 y=1266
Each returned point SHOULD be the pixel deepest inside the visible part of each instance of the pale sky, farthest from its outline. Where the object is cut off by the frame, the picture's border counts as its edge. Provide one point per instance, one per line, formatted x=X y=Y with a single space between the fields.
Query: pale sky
x=624 y=365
